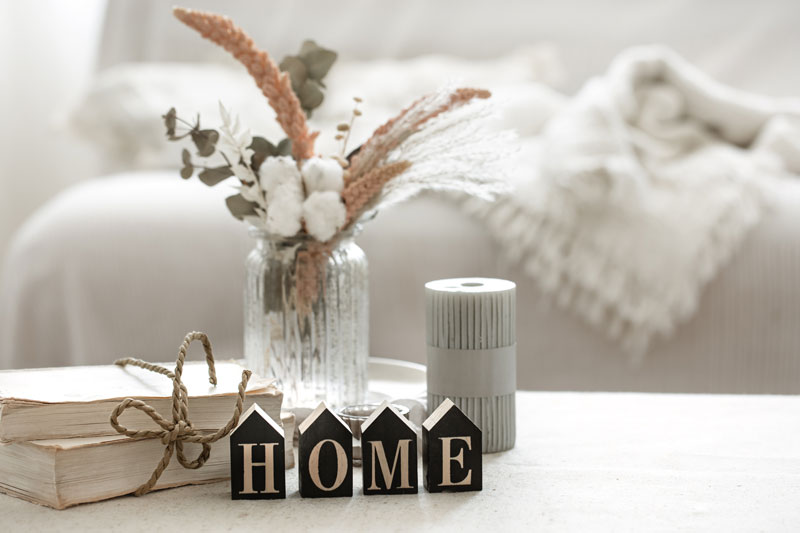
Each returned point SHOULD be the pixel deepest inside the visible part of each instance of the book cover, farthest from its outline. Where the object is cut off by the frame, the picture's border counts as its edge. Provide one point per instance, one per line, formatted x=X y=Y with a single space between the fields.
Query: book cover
x=54 y=403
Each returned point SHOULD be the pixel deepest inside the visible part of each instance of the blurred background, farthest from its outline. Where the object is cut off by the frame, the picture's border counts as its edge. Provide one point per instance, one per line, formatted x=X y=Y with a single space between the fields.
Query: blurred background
x=84 y=85
x=52 y=51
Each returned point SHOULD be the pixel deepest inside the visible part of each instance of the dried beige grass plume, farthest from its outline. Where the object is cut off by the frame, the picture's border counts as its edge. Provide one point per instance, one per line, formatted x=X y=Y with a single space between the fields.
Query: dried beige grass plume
x=394 y=131
x=458 y=98
x=275 y=84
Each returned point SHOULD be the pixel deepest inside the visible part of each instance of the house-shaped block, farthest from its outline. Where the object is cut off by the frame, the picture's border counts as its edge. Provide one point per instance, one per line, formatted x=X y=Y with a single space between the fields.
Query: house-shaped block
x=389 y=453
x=451 y=451
x=325 y=455
x=257 y=457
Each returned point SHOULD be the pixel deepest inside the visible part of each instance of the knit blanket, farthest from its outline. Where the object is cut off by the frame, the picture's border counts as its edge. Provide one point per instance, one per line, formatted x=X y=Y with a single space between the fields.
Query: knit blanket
x=640 y=189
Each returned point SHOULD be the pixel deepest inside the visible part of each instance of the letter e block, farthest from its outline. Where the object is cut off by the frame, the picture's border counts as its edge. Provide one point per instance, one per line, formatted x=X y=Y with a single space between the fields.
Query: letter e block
x=451 y=451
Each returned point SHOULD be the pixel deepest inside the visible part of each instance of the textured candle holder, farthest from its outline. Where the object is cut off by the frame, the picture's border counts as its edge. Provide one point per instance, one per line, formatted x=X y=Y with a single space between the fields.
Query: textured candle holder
x=472 y=353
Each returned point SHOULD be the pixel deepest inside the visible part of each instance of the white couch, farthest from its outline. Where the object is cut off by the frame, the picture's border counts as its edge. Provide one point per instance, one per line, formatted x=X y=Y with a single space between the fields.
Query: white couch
x=125 y=265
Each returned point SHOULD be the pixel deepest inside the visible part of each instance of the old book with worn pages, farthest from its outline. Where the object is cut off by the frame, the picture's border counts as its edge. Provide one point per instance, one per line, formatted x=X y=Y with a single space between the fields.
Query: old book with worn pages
x=55 y=403
x=65 y=472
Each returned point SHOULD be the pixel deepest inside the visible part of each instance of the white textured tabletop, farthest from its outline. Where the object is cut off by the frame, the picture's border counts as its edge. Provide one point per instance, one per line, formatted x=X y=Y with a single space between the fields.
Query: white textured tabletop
x=583 y=461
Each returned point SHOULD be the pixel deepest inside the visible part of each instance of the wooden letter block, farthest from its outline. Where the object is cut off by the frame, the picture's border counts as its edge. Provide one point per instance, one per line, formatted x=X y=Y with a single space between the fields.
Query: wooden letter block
x=451 y=451
x=389 y=453
x=257 y=457
x=325 y=455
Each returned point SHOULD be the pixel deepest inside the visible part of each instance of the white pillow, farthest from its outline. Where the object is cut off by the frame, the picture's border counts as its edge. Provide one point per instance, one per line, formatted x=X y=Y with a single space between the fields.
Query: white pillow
x=121 y=112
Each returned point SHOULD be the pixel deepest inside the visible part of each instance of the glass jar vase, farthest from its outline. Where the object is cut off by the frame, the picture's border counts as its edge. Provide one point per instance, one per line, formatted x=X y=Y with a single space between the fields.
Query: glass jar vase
x=306 y=311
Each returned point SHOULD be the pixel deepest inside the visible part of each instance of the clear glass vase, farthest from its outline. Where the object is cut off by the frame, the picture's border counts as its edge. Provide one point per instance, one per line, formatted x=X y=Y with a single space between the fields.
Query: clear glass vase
x=307 y=318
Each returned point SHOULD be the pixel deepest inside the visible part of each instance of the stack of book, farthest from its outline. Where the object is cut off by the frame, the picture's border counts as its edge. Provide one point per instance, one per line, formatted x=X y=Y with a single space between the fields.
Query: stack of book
x=57 y=447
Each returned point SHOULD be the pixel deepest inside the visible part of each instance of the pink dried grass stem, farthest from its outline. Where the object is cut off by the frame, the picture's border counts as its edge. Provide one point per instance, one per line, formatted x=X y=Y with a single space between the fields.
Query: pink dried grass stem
x=357 y=195
x=275 y=85
x=310 y=266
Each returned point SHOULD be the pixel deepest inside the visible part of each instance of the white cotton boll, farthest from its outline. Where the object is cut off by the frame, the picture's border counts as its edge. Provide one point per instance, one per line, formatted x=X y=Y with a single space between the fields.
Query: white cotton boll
x=323 y=174
x=324 y=213
x=277 y=171
x=284 y=210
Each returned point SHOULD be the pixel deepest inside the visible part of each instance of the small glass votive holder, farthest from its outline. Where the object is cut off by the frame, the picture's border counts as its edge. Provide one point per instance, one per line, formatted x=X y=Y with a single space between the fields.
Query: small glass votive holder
x=355 y=415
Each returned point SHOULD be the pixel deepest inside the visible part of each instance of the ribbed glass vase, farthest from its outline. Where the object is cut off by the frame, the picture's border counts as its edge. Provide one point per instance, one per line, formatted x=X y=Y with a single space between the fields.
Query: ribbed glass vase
x=306 y=313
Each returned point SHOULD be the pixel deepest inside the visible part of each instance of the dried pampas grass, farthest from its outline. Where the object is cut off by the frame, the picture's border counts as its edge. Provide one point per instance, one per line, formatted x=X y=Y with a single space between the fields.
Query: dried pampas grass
x=440 y=142
x=357 y=195
x=410 y=120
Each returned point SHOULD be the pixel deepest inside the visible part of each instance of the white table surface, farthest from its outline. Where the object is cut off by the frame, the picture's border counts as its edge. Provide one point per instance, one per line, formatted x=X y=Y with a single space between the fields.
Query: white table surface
x=583 y=461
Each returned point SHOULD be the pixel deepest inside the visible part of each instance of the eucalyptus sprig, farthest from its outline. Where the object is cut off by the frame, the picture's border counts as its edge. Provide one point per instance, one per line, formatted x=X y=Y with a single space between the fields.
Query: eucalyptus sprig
x=205 y=141
x=307 y=70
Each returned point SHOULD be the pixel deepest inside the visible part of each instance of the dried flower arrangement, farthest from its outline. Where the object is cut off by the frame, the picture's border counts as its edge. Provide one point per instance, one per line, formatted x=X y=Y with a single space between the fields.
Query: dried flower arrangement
x=438 y=142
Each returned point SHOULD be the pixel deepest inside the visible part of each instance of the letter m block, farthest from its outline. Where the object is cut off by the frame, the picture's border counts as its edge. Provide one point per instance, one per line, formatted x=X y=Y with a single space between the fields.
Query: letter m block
x=389 y=453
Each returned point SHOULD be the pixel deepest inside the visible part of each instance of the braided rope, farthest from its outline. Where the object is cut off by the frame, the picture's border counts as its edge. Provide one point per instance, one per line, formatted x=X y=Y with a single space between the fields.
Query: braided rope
x=175 y=433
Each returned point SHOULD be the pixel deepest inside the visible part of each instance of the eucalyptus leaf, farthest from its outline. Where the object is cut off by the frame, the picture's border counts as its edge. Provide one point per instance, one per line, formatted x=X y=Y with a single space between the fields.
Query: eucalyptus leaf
x=212 y=176
x=239 y=207
x=262 y=146
x=284 y=147
x=205 y=141
x=306 y=70
x=310 y=95
x=262 y=149
x=318 y=62
x=297 y=71
x=308 y=46
x=187 y=171
x=313 y=54
x=186 y=157
x=170 y=121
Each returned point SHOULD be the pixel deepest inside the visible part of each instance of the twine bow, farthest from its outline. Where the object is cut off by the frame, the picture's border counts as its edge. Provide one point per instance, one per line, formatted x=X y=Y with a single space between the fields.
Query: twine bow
x=175 y=433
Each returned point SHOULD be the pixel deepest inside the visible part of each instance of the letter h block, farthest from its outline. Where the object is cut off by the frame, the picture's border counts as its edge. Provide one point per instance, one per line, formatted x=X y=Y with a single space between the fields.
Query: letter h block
x=451 y=451
x=388 y=453
x=257 y=457
x=325 y=455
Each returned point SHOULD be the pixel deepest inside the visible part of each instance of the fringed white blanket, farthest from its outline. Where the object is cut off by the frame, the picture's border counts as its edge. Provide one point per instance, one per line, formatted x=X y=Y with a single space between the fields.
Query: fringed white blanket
x=641 y=189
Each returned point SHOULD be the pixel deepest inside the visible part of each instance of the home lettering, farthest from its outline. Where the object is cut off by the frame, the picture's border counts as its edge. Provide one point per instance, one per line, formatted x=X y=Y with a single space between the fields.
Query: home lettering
x=451 y=454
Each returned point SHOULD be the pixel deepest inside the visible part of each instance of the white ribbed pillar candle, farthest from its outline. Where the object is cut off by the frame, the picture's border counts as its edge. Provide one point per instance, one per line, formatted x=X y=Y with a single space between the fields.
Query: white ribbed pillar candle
x=471 y=337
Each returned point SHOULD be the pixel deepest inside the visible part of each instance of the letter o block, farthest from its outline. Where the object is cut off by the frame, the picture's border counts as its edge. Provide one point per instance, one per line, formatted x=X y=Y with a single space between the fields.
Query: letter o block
x=325 y=455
